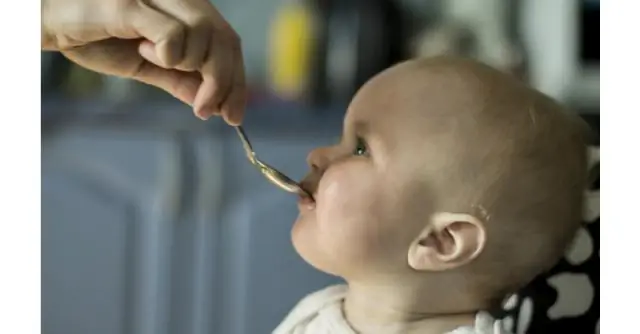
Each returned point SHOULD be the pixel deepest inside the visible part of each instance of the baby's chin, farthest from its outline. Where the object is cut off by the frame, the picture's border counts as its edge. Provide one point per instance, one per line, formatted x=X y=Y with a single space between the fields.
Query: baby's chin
x=304 y=236
x=310 y=252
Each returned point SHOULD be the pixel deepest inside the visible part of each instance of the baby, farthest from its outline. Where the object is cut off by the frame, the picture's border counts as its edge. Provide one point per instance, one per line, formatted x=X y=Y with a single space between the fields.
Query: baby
x=453 y=185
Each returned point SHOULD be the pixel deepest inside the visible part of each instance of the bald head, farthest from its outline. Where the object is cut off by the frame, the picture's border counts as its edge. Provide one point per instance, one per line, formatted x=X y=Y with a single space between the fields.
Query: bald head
x=494 y=148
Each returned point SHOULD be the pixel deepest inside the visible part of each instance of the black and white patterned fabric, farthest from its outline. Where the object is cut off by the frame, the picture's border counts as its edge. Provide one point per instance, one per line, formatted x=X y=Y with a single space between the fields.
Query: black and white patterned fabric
x=566 y=299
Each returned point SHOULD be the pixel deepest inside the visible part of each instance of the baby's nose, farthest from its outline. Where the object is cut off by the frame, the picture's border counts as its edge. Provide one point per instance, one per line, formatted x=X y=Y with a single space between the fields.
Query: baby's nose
x=318 y=159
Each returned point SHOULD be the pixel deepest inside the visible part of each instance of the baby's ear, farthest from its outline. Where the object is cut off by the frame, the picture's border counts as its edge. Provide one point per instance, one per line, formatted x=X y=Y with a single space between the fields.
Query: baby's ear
x=449 y=240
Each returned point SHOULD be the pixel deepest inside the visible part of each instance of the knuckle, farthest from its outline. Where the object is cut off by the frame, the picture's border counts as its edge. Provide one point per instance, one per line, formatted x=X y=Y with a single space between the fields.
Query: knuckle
x=200 y=33
x=200 y=23
x=175 y=32
x=172 y=43
x=174 y=35
x=197 y=48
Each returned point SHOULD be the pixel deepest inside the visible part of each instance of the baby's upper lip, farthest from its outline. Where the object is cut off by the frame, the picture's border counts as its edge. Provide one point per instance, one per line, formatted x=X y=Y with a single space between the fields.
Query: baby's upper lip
x=306 y=200
x=308 y=195
x=309 y=191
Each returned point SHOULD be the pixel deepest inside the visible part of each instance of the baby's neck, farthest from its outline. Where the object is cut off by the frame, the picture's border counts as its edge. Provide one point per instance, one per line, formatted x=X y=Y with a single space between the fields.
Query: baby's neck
x=391 y=309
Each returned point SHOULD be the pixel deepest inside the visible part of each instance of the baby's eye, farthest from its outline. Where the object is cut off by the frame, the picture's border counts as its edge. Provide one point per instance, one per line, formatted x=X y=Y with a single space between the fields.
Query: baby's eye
x=361 y=147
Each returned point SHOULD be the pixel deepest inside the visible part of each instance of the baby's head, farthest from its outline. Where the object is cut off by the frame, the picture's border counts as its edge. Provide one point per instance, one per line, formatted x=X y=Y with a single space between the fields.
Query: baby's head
x=449 y=175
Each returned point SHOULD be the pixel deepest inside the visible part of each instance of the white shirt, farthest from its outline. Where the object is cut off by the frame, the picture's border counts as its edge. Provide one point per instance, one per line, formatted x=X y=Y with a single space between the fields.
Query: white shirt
x=321 y=313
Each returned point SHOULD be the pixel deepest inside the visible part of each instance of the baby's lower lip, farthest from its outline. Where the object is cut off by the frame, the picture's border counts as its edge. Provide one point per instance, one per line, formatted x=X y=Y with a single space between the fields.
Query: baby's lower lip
x=306 y=202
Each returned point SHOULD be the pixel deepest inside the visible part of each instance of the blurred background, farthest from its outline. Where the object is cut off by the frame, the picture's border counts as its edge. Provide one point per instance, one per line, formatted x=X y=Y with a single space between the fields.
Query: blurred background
x=153 y=222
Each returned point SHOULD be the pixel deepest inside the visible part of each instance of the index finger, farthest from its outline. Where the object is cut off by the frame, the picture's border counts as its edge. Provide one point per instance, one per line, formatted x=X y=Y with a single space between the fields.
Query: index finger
x=234 y=106
x=217 y=74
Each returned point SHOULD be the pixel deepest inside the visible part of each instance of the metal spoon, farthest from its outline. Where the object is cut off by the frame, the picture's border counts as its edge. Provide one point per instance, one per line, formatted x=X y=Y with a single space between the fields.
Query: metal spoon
x=273 y=175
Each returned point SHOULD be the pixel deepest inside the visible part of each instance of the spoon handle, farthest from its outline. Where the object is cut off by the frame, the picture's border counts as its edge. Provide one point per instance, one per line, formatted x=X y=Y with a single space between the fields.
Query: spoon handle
x=246 y=144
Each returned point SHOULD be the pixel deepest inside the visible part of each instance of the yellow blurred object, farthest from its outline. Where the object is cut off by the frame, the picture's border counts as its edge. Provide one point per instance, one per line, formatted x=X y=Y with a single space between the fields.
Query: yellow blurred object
x=291 y=47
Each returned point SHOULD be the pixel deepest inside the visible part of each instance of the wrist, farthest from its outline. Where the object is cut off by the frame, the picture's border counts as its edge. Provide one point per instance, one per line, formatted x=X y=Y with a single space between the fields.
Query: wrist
x=47 y=42
x=47 y=39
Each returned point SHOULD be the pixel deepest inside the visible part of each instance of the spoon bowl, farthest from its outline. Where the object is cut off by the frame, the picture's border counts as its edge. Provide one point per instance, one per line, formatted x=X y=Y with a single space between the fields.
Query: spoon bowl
x=273 y=175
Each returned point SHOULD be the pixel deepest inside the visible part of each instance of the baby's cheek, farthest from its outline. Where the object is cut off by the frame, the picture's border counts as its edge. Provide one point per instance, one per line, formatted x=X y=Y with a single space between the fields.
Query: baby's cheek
x=345 y=199
x=350 y=218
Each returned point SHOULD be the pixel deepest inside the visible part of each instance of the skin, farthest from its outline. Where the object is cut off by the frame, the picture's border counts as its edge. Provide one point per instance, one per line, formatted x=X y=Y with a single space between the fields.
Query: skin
x=408 y=205
x=183 y=47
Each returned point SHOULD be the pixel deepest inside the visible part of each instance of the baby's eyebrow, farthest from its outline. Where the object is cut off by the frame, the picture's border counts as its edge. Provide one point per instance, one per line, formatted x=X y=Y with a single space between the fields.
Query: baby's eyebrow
x=361 y=128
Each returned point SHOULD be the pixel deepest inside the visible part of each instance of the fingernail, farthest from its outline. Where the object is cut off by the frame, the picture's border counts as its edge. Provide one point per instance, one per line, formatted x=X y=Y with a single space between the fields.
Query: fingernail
x=232 y=120
x=202 y=114
x=229 y=117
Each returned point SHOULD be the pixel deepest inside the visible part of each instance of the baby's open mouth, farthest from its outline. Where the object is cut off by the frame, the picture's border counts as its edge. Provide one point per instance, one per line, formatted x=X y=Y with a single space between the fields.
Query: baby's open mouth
x=306 y=199
x=307 y=202
x=305 y=186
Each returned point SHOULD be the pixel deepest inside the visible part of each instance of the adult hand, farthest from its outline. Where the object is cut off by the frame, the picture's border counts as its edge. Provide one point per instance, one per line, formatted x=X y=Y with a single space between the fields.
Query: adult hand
x=184 y=47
